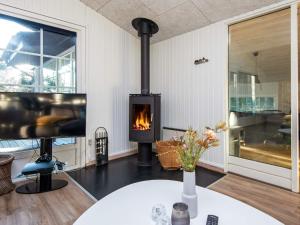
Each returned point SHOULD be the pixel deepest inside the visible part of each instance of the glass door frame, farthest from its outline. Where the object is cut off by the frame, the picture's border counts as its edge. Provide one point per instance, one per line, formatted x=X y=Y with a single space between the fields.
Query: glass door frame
x=294 y=98
x=287 y=178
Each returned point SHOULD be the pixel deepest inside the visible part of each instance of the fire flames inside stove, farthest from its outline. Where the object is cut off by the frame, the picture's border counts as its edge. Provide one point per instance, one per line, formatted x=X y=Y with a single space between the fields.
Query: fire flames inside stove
x=141 y=117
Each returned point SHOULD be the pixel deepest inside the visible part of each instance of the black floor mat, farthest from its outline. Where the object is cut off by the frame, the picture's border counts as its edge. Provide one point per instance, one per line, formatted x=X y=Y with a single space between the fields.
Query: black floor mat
x=100 y=181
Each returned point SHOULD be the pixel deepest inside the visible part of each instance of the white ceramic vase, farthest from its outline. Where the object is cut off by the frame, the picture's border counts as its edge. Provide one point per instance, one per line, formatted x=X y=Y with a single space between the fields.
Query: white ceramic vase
x=189 y=195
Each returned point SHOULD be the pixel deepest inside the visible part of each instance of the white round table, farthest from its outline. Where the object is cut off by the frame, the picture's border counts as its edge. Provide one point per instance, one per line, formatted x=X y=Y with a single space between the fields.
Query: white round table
x=132 y=205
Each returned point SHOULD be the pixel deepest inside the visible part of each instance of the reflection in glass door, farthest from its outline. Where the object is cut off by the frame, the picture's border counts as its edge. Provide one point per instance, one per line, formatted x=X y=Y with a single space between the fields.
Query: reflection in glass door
x=260 y=89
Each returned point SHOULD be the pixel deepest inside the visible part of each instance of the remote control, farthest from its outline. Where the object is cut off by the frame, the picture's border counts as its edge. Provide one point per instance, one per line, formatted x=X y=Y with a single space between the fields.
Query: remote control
x=212 y=220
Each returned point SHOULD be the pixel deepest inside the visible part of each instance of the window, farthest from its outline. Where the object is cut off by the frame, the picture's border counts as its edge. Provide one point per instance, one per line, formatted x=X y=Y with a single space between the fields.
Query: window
x=260 y=89
x=35 y=58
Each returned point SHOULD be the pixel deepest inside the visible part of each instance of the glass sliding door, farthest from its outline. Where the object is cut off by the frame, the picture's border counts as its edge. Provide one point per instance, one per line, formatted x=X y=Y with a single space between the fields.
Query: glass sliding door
x=260 y=89
x=260 y=96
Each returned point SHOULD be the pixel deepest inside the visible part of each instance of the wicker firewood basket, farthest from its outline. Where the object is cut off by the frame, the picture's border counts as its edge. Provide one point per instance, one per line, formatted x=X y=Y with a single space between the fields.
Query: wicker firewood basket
x=167 y=154
x=6 y=184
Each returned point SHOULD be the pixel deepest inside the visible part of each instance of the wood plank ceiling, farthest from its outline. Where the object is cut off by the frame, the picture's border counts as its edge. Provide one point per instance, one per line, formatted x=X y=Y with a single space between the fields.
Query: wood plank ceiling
x=174 y=17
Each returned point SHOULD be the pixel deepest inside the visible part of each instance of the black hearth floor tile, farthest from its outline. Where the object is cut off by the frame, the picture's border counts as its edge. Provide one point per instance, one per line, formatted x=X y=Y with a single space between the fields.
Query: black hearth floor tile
x=101 y=181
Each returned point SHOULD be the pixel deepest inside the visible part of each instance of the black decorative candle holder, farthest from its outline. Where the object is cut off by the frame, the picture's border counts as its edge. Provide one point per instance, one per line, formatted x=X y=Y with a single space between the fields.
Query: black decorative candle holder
x=101 y=146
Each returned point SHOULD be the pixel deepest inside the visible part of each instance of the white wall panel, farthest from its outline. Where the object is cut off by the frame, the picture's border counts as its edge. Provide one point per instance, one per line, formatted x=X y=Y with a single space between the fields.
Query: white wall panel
x=111 y=65
x=113 y=68
x=192 y=95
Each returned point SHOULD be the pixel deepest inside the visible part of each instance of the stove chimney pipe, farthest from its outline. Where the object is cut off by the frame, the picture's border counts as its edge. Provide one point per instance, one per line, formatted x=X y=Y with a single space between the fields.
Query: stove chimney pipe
x=145 y=28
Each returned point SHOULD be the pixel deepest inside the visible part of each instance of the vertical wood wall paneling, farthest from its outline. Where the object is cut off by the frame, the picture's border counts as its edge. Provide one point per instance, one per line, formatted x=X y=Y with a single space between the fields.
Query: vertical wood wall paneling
x=192 y=95
x=113 y=75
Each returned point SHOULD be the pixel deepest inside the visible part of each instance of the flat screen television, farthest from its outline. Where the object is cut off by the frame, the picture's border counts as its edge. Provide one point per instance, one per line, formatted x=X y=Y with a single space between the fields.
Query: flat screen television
x=42 y=115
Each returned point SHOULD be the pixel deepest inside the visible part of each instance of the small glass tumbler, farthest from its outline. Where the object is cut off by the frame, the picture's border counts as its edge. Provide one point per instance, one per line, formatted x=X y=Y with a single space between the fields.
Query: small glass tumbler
x=180 y=214
x=158 y=211
x=164 y=220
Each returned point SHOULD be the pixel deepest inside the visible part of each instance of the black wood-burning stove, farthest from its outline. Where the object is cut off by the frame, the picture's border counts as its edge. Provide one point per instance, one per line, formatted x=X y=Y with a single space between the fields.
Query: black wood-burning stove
x=144 y=124
x=144 y=108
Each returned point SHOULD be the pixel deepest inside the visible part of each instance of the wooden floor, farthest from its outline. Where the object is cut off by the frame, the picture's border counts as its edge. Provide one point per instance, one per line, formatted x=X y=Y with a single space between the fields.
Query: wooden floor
x=278 y=155
x=277 y=202
x=60 y=207
x=64 y=206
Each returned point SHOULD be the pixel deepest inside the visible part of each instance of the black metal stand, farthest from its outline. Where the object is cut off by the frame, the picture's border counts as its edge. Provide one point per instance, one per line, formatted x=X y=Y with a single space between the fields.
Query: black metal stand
x=144 y=154
x=46 y=183
x=41 y=186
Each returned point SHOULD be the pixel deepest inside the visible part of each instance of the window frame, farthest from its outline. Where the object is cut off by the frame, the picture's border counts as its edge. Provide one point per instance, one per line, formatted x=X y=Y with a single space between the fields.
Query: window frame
x=81 y=70
x=38 y=85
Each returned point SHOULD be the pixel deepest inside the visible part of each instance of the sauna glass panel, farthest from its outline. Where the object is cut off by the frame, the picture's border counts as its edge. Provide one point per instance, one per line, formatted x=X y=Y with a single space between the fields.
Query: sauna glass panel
x=260 y=89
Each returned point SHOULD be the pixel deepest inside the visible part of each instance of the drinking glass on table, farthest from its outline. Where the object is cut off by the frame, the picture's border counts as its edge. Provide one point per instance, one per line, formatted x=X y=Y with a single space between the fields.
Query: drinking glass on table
x=180 y=214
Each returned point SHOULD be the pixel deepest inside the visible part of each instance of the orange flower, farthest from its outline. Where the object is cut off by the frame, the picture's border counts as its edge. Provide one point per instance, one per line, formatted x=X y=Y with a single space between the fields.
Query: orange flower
x=221 y=126
x=210 y=134
x=200 y=142
x=215 y=143
x=193 y=145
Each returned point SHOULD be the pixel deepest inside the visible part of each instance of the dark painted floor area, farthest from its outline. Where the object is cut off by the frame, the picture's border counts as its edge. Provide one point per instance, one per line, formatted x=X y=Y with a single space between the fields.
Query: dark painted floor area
x=100 y=181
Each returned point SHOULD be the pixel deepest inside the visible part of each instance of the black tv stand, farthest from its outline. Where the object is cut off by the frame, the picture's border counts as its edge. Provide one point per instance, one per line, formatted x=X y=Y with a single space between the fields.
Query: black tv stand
x=45 y=183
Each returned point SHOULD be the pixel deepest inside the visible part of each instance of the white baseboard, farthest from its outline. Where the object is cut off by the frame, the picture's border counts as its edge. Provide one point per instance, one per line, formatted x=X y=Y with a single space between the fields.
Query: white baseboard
x=117 y=155
x=125 y=153
x=218 y=165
